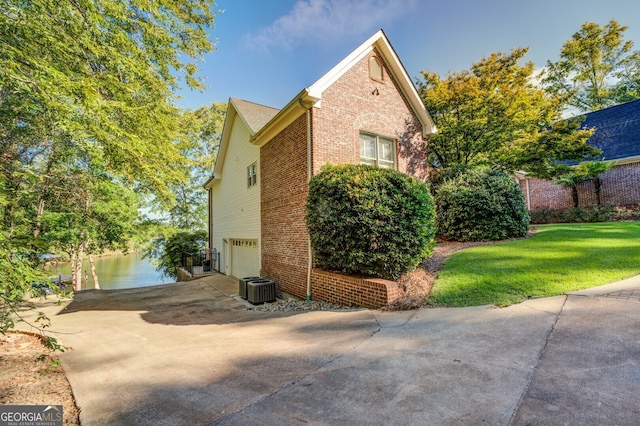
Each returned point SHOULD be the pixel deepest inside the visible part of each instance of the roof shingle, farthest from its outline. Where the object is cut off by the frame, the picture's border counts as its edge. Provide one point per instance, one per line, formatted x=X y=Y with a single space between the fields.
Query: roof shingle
x=255 y=115
x=617 y=130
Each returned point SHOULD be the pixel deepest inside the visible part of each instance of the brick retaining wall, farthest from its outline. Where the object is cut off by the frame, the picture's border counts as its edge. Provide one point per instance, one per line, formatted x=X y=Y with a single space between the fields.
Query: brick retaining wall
x=352 y=291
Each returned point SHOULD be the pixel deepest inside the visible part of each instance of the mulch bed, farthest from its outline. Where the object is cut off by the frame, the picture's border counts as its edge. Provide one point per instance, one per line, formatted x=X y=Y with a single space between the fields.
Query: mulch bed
x=28 y=376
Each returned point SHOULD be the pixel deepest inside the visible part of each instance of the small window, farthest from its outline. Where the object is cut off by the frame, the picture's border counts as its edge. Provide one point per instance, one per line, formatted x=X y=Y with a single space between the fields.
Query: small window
x=252 y=175
x=377 y=151
x=375 y=68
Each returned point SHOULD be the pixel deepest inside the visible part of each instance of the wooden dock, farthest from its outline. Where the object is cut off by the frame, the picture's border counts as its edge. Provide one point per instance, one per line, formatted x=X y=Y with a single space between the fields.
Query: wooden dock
x=60 y=279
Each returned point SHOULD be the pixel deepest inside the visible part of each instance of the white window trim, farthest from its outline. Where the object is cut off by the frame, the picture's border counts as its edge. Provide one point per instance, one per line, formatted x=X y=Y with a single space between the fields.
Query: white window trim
x=377 y=161
x=252 y=175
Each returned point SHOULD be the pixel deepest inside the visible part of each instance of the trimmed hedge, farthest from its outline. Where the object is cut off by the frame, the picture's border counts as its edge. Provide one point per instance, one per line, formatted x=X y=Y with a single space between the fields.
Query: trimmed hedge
x=437 y=177
x=608 y=213
x=369 y=221
x=480 y=205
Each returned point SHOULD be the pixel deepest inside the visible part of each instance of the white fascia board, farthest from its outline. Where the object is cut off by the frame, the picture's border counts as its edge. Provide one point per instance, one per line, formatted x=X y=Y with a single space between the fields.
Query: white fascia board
x=626 y=160
x=343 y=66
x=296 y=107
x=406 y=84
x=380 y=42
x=209 y=183
x=224 y=140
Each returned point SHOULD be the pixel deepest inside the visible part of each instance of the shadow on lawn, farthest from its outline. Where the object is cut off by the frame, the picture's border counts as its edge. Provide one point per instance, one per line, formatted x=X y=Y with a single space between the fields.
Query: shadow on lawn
x=558 y=259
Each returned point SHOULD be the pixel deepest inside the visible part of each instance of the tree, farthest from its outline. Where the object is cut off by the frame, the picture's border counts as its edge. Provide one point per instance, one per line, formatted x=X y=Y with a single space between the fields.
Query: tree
x=199 y=136
x=571 y=180
x=545 y=155
x=103 y=73
x=88 y=84
x=628 y=88
x=168 y=249
x=18 y=272
x=597 y=68
x=593 y=170
x=98 y=216
x=495 y=115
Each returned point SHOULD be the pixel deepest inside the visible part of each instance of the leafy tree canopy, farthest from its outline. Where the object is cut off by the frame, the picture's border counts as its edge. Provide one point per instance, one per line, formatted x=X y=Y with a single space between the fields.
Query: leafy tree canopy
x=494 y=114
x=102 y=73
x=199 y=139
x=597 y=68
x=168 y=249
x=87 y=113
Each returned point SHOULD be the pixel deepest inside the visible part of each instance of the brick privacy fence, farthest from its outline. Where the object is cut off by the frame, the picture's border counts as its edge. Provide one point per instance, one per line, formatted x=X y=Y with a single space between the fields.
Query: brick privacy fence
x=349 y=291
x=620 y=186
x=349 y=105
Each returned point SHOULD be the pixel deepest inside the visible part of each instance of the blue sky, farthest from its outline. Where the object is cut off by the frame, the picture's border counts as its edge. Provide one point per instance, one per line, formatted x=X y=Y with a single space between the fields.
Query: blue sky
x=267 y=51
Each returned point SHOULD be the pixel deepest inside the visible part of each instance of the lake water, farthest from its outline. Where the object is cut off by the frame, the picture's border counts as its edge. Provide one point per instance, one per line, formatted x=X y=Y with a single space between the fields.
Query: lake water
x=123 y=271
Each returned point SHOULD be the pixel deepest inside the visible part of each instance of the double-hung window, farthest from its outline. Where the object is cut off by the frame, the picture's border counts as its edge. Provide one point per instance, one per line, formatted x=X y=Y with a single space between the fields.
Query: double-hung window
x=377 y=151
x=252 y=175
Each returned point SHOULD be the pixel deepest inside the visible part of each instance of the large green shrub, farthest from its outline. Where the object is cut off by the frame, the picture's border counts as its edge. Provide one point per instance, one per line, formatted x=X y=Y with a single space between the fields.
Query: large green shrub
x=437 y=177
x=168 y=251
x=481 y=205
x=369 y=221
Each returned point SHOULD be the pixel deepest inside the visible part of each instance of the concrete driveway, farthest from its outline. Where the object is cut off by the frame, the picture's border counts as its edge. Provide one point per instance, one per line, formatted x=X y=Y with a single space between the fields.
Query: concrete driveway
x=188 y=354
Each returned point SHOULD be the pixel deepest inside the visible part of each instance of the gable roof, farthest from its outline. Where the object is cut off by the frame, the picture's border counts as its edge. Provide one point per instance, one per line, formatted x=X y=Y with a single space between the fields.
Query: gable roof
x=253 y=115
x=312 y=96
x=617 y=131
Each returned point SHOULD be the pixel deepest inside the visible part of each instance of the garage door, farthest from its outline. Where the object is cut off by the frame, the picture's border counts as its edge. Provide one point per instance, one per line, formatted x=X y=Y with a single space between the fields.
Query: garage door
x=244 y=258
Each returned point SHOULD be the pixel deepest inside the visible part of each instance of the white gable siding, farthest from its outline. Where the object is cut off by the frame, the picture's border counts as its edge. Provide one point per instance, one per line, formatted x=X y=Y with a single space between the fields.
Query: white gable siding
x=235 y=207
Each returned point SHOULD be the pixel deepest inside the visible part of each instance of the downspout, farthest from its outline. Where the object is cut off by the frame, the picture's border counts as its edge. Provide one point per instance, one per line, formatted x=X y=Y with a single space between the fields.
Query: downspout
x=528 y=194
x=309 y=175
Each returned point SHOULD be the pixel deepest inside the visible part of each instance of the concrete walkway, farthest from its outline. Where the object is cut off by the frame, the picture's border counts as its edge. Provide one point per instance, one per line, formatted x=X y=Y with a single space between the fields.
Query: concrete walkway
x=188 y=354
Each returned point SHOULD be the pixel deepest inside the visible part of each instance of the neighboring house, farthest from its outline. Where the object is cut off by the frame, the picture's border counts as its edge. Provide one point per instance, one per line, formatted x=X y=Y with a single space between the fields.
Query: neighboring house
x=364 y=110
x=617 y=134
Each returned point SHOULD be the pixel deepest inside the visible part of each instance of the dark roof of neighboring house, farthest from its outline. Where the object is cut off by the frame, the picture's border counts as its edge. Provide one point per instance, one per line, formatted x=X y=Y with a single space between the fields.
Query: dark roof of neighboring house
x=617 y=130
x=255 y=115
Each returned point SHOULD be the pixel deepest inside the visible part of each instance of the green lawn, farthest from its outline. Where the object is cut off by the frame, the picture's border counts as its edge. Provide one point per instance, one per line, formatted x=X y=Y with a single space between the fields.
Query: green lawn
x=557 y=259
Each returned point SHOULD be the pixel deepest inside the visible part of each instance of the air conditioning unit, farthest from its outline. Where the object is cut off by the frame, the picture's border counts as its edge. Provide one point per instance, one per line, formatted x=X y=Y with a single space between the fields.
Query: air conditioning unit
x=242 y=285
x=261 y=291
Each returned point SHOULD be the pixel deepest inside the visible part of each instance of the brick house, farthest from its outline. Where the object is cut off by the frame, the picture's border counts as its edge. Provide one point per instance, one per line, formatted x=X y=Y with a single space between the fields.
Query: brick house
x=364 y=110
x=617 y=134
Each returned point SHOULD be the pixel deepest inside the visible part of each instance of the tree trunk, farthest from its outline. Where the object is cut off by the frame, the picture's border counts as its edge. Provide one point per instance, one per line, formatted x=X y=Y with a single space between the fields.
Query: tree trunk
x=574 y=194
x=44 y=188
x=597 y=183
x=39 y=212
x=96 y=283
x=78 y=282
x=72 y=260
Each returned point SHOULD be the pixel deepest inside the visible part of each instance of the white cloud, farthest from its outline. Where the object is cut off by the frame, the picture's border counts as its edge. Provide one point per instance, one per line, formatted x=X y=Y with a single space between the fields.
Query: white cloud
x=328 y=21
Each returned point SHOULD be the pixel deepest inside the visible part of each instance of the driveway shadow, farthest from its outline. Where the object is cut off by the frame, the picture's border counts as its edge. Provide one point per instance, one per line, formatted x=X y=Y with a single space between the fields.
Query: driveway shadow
x=195 y=302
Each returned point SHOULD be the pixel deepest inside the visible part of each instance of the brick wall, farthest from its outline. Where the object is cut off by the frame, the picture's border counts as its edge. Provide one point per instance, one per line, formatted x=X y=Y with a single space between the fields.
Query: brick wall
x=283 y=174
x=620 y=186
x=350 y=106
x=352 y=291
